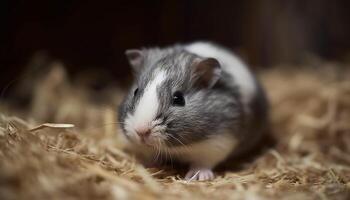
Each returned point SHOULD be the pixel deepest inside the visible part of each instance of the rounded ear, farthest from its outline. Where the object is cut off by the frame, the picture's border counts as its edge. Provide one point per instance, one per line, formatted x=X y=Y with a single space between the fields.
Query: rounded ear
x=135 y=58
x=207 y=71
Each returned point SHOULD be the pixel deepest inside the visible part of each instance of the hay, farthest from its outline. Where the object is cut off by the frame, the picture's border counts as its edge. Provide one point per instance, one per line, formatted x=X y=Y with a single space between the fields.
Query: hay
x=310 y=120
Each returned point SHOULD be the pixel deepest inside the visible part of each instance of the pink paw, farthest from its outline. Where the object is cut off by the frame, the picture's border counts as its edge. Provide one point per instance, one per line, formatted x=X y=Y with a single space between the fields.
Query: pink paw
x=200 y=174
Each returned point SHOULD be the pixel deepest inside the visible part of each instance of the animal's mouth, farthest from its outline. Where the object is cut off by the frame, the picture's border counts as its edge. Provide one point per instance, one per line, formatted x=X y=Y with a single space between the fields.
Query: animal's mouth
x=147 y=142
x=155 y=140
x=150 y=140
x=149 y=134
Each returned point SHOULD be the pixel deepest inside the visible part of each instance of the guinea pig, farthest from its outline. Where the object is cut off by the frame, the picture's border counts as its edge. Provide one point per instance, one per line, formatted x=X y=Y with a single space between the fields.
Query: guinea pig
x=197 y=103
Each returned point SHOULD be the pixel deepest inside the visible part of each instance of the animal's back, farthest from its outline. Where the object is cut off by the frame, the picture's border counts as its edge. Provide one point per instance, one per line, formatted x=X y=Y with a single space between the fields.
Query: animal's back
x=251 y=93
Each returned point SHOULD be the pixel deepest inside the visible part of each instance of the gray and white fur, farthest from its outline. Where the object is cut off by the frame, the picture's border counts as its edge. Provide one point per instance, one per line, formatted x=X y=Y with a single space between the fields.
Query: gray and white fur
x=197 y=103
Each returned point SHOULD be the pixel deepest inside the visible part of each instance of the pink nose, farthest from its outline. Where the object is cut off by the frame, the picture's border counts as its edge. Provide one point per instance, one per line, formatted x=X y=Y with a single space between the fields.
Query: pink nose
x=143 y=133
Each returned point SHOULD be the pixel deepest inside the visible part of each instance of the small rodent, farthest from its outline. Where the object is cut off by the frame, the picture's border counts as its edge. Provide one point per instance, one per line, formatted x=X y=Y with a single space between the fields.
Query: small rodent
x=197 y=102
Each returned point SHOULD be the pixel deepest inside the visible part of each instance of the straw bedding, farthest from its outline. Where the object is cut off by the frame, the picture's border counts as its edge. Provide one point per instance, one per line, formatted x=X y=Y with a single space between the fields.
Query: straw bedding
x=310 y=120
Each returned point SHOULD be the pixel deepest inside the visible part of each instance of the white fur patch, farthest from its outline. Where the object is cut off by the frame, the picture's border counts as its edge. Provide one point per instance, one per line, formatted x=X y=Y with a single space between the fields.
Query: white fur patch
x=207 y=153
x=230 y=64
x=147 y=106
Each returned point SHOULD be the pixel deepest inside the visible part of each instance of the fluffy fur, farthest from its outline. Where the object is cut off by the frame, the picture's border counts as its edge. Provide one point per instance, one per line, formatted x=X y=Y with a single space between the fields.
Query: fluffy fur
x=217 y=121
x=230 y=64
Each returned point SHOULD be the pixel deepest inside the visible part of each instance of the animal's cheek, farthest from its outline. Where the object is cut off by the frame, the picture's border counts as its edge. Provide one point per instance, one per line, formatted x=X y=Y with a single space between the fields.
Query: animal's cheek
x=170 y=125
x=159 y=129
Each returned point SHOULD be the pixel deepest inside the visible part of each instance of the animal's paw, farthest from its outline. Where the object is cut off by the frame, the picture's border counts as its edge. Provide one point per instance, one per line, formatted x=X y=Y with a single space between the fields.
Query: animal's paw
x=200 y=174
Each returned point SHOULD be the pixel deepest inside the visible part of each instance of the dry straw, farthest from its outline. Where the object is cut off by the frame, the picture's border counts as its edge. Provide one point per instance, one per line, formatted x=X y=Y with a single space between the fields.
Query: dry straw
x=311 y=160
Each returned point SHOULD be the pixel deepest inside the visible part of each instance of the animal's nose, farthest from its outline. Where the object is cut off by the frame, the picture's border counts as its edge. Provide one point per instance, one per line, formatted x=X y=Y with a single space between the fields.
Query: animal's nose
x=143 y=133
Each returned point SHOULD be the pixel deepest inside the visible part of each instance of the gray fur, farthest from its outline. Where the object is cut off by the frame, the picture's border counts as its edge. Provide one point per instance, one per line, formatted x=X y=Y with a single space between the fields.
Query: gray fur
x=207 y=111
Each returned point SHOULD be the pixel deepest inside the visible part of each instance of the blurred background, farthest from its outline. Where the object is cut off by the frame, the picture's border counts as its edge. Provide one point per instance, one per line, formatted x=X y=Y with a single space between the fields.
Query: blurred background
x=87 y=35
x=62 y=61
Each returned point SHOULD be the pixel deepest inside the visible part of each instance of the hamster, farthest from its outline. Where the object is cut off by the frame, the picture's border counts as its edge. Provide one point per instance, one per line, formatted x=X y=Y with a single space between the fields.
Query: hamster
x=197 y=103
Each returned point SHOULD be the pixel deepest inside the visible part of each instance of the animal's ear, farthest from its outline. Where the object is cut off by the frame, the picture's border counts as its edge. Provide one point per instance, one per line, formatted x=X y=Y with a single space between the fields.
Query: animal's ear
x=135 y=58
x=207 y=71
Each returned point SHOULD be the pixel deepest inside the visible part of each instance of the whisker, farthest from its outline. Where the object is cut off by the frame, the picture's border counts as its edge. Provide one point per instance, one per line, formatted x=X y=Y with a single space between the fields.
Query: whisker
x=103 y=125
x=176 y=139
x=182 y=137
x=165 y=151
x=160 y=151
x=157 y=152
x=186 y=147
x=171 y=159
x=154 y=156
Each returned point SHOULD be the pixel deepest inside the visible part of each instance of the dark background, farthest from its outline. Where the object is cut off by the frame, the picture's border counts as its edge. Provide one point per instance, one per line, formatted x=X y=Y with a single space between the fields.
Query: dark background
x=94 y=34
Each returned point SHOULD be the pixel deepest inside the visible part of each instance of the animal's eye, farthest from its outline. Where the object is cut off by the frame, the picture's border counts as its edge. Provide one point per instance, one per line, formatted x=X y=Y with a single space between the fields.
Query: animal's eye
x=178 y=99
x=136 y=91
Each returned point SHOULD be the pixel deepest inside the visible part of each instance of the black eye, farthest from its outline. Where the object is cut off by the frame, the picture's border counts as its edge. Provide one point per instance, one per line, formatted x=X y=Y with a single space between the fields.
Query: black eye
x=178 y=99
x=136 y=91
